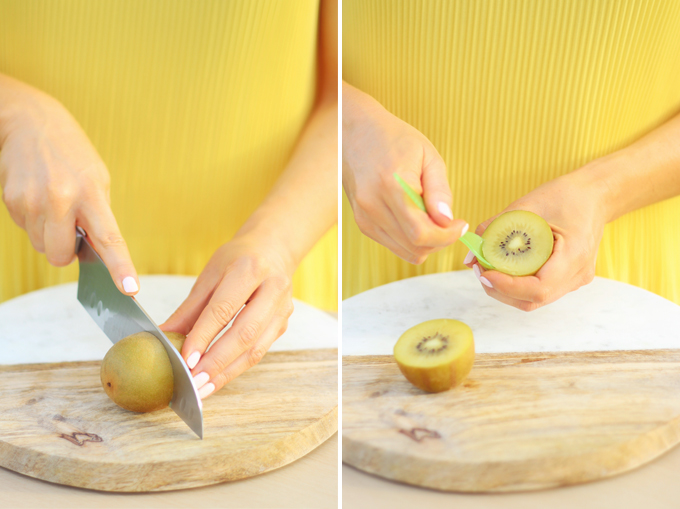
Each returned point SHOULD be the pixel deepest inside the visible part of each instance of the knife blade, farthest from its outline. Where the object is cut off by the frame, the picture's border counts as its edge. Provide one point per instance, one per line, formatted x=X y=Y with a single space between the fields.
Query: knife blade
x=120 y=315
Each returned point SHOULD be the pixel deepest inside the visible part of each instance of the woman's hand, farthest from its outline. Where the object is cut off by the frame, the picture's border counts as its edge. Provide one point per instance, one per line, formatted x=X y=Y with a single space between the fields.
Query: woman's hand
x=249 y=271
x=376 y=144
x=575 y=208
x=53 y=179
x=256 y=267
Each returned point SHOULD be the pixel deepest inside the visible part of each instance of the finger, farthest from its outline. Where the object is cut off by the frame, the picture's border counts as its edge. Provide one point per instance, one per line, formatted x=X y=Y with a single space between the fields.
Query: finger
x=517 y=303
x=390 y=229
x=470 y=259
x=102 y=230
x=17 y=215
x=418 y=227
x=382 y=237
x=437 y=192
x=246 y=360
x=60 y=240
x=232 y=292
x=246 y=329
x=185 y=316
x=35 y=227
x=550 y=283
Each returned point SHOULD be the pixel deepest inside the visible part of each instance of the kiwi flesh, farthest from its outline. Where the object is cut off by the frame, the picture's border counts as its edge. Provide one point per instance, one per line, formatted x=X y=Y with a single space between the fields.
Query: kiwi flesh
x=436 y=355
x=136 y=372
x=518 y=243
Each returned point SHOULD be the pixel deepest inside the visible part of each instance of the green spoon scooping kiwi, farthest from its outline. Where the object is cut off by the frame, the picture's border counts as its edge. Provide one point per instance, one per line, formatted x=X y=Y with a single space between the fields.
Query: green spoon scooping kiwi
x=516 y=242
x=471 y=240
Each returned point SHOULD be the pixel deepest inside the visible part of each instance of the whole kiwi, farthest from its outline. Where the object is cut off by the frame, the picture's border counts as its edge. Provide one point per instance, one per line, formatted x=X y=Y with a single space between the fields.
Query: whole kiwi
x=136 y=372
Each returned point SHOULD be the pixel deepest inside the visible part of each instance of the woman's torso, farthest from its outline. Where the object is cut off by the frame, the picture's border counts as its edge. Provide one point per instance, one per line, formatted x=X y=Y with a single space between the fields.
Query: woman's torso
x=513 y=94
x=195 y=107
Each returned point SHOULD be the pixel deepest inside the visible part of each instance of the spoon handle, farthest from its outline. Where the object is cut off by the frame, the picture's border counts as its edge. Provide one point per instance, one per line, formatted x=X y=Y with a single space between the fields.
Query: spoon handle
x=472 y=241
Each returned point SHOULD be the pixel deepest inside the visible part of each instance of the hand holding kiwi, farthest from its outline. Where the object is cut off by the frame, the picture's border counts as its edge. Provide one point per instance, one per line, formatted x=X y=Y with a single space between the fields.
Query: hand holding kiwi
x=517 y=243
x=376 y=144
x=574 y=209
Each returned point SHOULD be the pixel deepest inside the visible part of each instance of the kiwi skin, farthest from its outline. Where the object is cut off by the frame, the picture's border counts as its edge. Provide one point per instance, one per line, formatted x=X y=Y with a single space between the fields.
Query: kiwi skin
x=443 y=378
x=446 y=375
x=136 y=372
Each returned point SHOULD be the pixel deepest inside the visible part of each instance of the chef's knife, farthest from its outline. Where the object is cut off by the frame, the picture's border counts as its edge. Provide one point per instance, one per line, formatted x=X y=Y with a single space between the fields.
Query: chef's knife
x=120 y=315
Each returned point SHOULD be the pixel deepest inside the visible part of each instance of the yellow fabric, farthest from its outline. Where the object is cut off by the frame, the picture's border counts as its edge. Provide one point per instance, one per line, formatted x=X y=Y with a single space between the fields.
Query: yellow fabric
x=195 y=107
x=513 y=94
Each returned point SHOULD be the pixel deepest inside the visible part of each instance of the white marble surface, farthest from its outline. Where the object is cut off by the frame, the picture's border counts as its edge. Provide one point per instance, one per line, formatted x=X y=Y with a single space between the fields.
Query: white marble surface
x=605 y=315
x=50 y=325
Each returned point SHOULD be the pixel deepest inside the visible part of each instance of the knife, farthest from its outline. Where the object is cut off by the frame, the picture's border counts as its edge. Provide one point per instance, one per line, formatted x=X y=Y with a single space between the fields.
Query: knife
x=120 y=315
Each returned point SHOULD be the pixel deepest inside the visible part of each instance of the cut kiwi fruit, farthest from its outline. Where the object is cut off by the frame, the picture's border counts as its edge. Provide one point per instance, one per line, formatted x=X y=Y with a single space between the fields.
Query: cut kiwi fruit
x=436 y=355
x=518 y=243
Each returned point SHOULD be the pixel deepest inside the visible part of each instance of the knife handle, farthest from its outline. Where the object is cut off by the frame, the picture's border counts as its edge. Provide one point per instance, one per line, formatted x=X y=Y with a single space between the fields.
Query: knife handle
x=80 y=233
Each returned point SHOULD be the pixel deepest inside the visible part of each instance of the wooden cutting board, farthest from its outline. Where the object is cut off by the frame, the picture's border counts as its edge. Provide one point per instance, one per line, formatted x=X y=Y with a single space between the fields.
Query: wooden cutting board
x=57 y=424
x=520 y=421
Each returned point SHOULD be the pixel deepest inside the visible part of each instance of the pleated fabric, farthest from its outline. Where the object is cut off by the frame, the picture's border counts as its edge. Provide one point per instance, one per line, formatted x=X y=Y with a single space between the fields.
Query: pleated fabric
x=513 y=94
x=195 y=107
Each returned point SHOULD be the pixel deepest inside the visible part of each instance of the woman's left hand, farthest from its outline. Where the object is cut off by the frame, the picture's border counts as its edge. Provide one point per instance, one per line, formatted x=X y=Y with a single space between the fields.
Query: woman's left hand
x=575 y=207
x=248 y=271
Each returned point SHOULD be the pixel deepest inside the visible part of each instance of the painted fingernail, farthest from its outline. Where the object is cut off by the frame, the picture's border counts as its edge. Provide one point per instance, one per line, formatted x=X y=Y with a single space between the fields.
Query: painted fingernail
x=206 y=390
x=445 y=210
x=486 y=282
x=201 y=379
x=475 y=269
x=465 y=229
x=193 y=360
x=468 y=257
x=130 y=285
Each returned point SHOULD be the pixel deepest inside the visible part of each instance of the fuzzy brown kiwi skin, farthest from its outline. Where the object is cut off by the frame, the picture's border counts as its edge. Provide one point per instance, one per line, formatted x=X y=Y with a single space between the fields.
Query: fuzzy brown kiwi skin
x=441 y=378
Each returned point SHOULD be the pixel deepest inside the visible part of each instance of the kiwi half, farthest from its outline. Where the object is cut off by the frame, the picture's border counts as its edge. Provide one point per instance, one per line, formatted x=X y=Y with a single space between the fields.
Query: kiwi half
x=436 y=355
x=518 y=243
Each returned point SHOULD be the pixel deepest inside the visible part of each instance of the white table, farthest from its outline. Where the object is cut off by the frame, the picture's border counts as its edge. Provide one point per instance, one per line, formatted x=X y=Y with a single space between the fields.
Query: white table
x=50 y=325
x=605 y=315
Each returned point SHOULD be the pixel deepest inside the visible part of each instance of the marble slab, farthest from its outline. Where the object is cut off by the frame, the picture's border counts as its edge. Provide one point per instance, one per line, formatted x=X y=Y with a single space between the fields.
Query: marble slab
x=605 y=315
x=50 y=325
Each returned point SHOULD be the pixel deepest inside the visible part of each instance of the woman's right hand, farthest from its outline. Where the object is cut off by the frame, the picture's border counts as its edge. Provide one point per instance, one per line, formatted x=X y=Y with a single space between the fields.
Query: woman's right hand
x=375 y=145
x=53 y=179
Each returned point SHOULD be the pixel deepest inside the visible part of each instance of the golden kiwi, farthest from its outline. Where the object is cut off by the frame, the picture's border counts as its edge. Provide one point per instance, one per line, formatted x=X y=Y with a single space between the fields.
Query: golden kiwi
x=436 y=355
x=136 y=372
x=518 y=243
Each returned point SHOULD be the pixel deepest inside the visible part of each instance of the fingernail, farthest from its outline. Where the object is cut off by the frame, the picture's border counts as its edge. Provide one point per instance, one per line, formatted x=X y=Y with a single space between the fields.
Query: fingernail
x=130 y=285
x=201 y=379
x=465 y=229
x=193 y=360
x=486 y=282
x=475 y=269
x=445 y=209
x=468 y=257
x=206 y=390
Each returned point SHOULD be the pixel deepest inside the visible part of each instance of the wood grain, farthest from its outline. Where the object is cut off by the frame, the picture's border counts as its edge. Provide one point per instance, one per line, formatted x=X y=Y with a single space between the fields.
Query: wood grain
x=519 y=422
x=57 y=424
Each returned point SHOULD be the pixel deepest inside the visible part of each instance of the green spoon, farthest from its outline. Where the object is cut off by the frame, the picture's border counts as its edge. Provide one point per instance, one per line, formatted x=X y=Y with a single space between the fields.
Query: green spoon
x=471 y=240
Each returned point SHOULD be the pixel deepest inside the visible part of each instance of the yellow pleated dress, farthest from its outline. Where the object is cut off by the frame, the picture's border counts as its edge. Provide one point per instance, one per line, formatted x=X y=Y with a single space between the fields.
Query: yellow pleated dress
x=195 y=107
x=513 y=94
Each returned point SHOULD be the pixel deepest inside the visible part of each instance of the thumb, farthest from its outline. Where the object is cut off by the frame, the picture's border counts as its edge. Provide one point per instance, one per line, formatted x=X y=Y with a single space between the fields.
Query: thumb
x=437 y=192
x=103 y=232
